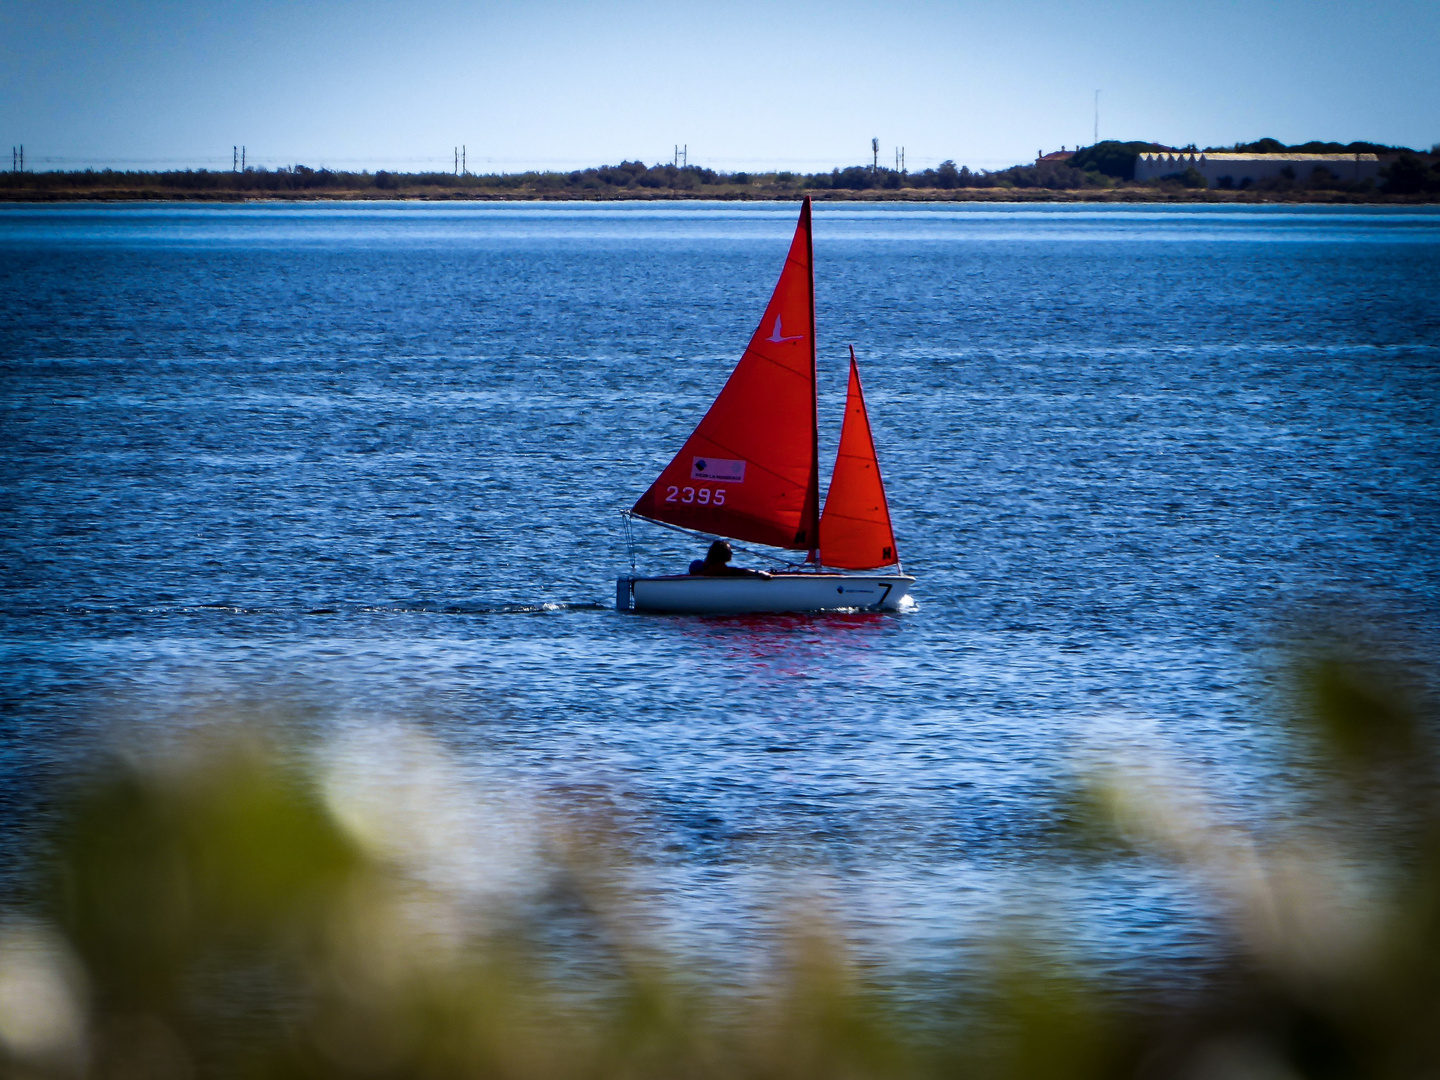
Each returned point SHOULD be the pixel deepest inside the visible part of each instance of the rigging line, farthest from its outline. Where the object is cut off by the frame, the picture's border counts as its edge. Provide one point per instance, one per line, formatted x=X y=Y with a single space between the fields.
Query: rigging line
x=629 y=539
x=734 y=544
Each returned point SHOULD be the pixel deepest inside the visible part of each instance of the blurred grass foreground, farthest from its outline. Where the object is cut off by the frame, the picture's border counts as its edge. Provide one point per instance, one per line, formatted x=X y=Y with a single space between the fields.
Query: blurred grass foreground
x=227 y=911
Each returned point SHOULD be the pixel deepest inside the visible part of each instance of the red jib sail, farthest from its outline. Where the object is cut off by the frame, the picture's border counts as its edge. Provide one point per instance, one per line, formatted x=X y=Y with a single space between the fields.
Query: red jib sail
x=750 y=471
x=855 y=533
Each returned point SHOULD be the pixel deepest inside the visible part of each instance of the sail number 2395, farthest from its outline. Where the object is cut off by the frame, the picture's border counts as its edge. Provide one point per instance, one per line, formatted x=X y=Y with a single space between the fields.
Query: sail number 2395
x=703 y=496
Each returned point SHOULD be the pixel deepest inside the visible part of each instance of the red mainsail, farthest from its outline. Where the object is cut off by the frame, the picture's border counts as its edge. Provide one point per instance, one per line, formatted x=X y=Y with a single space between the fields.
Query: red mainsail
x=750 y=471
x=855 y=533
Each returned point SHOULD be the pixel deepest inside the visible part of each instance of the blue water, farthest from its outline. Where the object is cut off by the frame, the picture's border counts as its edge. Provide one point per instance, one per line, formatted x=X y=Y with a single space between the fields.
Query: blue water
x=353 y=466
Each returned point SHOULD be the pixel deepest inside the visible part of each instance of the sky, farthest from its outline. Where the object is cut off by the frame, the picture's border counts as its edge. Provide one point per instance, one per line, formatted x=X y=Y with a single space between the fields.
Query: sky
x=555 y=84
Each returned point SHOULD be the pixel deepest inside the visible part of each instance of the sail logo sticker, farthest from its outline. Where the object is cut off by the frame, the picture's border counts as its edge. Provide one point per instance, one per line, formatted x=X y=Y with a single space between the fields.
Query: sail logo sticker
x=778 y=335
x=709 y=468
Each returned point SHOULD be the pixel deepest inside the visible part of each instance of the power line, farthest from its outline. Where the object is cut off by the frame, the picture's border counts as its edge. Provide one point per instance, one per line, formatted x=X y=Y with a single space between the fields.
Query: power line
x=427 y=163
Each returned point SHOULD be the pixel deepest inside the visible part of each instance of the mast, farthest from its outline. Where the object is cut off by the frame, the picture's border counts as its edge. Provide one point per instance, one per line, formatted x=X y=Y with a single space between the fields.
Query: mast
x=812 y=497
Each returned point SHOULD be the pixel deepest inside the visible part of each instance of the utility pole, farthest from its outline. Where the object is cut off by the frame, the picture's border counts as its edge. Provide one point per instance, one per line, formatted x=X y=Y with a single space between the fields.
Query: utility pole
x=899 y=159
x=685 y=156
x=242 y=158
x=875 y=149
x=464 y=169
x=22 y=157
x=235 y=159
x=1097 y=119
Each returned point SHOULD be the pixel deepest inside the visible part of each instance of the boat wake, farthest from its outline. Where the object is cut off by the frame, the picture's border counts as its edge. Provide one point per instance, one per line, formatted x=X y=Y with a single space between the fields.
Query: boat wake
x=163 y=610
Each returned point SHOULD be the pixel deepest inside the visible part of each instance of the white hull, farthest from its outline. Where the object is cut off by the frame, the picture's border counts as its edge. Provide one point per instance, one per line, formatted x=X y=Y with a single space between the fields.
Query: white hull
x=699 y=595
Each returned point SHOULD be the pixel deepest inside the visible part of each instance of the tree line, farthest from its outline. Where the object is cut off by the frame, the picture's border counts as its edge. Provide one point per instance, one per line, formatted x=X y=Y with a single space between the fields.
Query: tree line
x=633 y=176
x=1107 y=164
x=629 y=176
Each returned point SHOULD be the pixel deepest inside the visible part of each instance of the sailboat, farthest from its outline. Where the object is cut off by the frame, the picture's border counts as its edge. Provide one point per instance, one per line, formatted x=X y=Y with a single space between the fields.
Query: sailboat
x=750 y=472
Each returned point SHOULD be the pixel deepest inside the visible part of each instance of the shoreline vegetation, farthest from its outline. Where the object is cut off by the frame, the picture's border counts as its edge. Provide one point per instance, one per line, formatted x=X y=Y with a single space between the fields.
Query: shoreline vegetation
x=1101 y=173
x=240 y=907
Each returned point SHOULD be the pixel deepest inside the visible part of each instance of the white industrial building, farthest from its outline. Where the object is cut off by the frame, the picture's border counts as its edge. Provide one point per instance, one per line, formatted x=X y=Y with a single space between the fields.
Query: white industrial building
x=1234 y=170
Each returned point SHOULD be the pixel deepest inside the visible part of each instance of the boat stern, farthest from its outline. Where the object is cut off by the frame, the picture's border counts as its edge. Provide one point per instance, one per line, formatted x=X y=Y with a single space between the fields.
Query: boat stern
x=624 y=593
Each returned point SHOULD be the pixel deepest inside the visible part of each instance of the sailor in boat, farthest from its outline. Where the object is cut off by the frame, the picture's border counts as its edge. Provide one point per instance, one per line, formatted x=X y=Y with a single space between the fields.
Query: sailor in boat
x=714 y=564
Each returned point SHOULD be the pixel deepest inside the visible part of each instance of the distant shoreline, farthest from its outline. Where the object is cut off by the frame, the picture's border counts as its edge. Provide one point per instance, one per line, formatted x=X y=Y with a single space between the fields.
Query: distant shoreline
x=33 y=196
x=1103 y=173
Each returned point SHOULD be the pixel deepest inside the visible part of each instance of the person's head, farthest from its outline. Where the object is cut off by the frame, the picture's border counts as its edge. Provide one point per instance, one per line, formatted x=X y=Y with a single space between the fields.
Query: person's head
x=719 y=553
